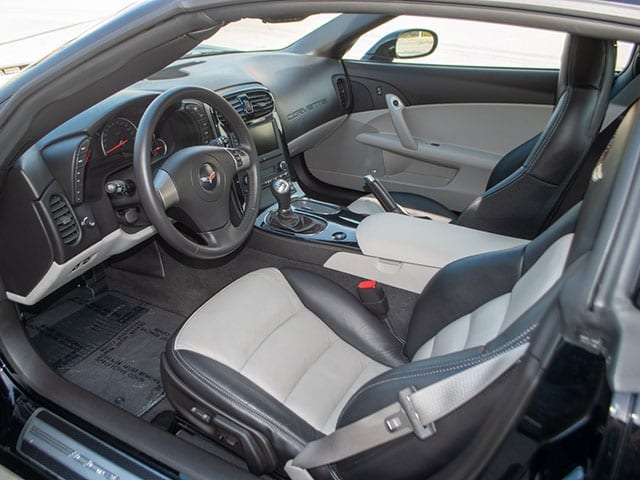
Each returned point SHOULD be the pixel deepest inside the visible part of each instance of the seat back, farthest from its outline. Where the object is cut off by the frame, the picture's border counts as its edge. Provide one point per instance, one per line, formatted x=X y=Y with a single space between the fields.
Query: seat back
x=521 y=196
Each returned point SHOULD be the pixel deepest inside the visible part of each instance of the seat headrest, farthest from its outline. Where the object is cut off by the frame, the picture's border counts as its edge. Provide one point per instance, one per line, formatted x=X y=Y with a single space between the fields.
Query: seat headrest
x=585 y=62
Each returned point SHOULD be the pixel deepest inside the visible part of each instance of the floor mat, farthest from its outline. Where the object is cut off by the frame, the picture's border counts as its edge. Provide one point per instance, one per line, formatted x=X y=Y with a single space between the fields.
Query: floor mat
x=109 y=344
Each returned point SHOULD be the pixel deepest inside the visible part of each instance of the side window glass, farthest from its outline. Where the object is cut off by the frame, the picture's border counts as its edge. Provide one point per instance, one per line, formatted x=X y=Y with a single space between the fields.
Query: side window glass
x=468 y=43
x=624 y=54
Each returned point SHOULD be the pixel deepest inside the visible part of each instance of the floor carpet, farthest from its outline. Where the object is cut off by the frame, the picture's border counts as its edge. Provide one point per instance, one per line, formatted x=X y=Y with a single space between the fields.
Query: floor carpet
x=109 y=344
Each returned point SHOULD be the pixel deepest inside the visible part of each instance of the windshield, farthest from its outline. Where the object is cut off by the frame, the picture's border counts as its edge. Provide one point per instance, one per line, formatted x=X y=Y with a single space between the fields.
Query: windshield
x=31 y=29
x=252 y=34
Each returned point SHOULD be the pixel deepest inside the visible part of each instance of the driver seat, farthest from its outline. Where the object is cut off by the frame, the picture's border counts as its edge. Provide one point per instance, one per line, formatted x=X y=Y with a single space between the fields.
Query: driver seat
x=282 y=357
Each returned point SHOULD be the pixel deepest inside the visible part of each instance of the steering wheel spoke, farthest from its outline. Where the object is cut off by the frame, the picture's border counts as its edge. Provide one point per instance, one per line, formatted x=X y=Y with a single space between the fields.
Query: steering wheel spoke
x=221 y=236
x=166 y=189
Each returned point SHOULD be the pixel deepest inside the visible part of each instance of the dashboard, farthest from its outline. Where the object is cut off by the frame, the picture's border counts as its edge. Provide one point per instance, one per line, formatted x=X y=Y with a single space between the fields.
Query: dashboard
x=71 y=200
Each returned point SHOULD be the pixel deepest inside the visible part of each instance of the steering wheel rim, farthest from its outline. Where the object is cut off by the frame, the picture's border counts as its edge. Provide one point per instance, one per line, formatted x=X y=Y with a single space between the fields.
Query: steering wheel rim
x=196 y=181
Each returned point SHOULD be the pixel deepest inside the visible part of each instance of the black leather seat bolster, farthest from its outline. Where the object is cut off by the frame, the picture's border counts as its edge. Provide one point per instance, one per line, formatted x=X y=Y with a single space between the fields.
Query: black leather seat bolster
x=383 y=389
x=418 y=202
x=410 y=457
x=587 y=63
x=511 y=162
x=464 y=285
x=237 y=397
x=346 y=316
x=563 y=226
x=458 y=289
x=518 y=209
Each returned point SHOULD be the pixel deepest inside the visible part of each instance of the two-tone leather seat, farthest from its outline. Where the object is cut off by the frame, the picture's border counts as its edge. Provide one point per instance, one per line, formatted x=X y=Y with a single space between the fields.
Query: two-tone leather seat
x=529 y=183
x=290 y=356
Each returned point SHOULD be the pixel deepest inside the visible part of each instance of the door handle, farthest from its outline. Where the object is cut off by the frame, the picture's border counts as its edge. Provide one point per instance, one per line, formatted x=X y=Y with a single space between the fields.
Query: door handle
x=396 y=111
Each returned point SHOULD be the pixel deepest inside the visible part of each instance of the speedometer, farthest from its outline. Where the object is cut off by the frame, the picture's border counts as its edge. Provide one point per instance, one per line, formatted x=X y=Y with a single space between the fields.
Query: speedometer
x=118 y=136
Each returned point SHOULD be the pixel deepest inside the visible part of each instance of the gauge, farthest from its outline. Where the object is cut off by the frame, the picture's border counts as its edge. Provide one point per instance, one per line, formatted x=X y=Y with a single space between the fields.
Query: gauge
x=118 y=136
x=158 y=148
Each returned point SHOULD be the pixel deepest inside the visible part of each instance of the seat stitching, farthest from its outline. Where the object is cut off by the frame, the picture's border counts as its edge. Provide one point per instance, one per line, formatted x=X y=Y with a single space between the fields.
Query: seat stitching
x=390 y=328
x=334 y=475
x=266 y=338
x=430 y=351
x=322 y=354
x=345 y=391
x=466 y=342
x=504 y=319
x=554 y=127
x=471 y=361
x=435 y=342
x=477 y=359
x=243 y=405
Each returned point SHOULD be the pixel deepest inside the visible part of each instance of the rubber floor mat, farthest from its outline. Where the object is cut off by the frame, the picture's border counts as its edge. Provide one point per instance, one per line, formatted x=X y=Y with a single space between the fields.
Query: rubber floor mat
x=108 y=344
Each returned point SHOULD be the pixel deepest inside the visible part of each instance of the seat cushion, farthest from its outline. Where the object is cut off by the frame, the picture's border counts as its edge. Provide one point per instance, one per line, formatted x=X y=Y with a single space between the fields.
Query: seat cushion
x=414 y=205
x=256 y=350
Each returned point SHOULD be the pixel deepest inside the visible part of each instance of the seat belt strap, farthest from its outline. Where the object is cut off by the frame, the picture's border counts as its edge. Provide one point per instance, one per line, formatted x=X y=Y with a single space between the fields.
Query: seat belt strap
x=621 y=102
x=414 y=412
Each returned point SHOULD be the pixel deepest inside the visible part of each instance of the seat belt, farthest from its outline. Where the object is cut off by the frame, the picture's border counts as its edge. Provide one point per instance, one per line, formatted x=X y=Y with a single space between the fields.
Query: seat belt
x=416 y=411
x=621 y=102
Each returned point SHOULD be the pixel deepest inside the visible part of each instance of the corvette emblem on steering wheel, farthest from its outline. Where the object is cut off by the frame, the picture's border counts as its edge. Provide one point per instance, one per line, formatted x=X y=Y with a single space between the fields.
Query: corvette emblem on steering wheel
x=208 y=177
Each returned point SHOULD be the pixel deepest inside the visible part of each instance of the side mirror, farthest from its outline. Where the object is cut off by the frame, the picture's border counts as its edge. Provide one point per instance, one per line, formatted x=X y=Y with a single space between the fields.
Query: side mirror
x=415 y=44
x=403 y=44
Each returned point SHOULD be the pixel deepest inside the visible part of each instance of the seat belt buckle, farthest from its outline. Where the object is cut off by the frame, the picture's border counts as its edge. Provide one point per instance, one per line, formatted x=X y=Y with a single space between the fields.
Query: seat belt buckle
x=419 y=429
x=373 y=298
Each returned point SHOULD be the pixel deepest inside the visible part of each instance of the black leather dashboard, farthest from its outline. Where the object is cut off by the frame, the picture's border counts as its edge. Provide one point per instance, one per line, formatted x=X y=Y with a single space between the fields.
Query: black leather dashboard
x=303 y=85
x=306 y=93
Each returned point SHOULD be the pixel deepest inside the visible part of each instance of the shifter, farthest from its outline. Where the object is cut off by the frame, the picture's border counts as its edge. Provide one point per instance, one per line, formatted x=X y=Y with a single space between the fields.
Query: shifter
x=281 y=190
x=286 y=219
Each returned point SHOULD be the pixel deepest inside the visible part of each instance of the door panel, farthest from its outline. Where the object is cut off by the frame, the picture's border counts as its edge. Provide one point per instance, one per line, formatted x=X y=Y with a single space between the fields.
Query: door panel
x=427 y=84
x=458 y=146
x=461 y=135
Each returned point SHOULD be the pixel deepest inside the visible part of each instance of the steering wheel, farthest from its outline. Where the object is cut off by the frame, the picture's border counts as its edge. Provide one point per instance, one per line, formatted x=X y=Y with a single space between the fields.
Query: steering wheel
x=195 y=182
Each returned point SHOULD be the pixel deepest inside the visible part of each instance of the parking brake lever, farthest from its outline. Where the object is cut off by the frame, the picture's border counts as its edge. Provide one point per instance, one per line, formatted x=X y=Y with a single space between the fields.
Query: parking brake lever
x=396 y=111
x=382 y=195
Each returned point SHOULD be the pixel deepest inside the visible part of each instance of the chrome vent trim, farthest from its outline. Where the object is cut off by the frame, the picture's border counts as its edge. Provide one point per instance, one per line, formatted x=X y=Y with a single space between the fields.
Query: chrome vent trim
x=252 y=104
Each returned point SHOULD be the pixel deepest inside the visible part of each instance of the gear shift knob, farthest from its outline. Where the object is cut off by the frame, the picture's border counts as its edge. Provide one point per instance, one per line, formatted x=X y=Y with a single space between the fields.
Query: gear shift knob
x=281 y=190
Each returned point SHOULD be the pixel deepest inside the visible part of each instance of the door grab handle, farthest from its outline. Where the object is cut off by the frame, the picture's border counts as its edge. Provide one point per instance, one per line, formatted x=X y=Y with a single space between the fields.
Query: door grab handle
x=396 y=111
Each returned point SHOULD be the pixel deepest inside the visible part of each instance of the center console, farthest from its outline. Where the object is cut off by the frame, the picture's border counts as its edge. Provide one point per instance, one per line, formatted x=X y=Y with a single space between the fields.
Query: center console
x=285 y=210
x=295 y=215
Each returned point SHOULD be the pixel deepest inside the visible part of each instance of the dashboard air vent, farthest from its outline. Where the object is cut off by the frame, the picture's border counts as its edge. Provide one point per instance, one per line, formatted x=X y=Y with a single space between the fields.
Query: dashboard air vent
x=343 y=90
x=64 y=220
x=341 y=86
x=252 y=104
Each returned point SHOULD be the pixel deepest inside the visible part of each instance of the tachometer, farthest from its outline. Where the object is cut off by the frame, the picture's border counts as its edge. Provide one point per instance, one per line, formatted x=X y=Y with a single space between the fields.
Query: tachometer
x=118 y=136
x=158 y=147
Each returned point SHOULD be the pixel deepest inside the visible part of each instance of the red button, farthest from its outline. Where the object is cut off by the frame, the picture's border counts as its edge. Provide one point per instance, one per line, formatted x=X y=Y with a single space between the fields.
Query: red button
x=368 y=284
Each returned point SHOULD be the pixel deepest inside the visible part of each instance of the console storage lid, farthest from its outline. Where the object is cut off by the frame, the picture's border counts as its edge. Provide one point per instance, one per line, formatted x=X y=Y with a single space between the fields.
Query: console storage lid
x=418 y=241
